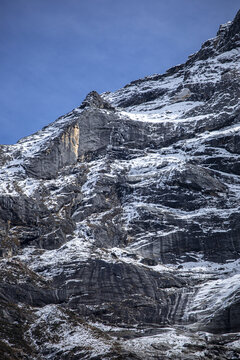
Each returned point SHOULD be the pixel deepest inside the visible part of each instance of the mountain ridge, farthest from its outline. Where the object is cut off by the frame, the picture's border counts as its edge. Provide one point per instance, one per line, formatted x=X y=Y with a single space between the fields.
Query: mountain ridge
x=120 y=221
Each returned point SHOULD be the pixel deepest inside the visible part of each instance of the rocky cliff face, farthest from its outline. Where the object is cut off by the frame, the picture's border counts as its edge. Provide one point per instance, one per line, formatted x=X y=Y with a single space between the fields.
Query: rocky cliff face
x=120 y=221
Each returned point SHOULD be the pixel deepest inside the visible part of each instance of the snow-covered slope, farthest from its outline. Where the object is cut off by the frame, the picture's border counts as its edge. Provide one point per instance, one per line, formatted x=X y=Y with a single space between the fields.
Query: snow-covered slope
x=120 y=221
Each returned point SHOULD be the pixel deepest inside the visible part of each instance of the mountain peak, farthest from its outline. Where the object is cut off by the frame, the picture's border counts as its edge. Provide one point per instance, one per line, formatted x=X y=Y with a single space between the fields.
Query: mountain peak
x=229 y=35
x=93 y=99
x=226 y=39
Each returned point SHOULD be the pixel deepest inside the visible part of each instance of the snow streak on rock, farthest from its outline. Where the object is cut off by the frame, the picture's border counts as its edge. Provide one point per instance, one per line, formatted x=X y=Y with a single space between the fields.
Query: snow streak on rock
x=120 y=222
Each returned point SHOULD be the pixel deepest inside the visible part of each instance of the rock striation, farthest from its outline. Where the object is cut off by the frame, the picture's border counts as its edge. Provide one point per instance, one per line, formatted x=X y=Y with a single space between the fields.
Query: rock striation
x=120 y=221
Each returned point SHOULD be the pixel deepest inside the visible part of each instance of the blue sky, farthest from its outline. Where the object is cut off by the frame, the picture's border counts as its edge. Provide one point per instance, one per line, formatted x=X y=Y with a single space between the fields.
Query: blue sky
x=53 y=52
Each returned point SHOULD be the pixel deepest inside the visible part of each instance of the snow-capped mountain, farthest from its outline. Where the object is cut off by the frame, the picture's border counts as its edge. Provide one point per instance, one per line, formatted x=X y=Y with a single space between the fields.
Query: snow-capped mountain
x=120 y=221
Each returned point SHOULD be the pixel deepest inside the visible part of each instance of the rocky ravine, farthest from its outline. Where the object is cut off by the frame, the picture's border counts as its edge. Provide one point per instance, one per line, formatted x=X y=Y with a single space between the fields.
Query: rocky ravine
x=120 y=221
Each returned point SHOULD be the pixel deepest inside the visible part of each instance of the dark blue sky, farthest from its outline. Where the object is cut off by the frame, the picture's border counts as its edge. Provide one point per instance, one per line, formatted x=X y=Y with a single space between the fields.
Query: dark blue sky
x=53 y=52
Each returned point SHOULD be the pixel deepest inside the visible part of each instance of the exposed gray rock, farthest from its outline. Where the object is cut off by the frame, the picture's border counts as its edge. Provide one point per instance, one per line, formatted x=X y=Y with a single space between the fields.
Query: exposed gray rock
x=119 y=222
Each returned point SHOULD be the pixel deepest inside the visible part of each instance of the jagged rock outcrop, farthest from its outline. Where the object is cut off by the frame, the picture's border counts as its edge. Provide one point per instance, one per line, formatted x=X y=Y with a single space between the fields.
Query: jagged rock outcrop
x=120 y=221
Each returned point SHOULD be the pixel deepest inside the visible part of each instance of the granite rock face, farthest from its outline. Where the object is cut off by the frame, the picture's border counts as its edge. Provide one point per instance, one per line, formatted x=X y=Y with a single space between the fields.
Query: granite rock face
x=120 y=221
